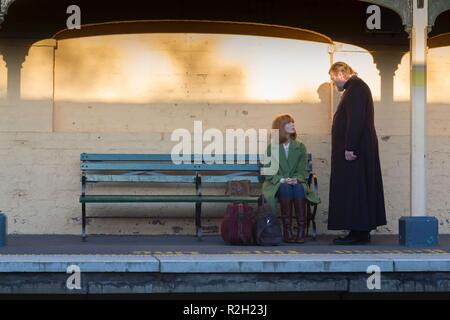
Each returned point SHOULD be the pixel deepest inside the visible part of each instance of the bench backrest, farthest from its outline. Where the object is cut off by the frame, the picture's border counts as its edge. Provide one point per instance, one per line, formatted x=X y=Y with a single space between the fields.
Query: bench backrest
x=153 y=168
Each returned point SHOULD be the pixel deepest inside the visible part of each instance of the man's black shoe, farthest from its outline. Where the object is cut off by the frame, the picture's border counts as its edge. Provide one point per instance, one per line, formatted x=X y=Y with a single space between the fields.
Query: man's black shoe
x=353 y=239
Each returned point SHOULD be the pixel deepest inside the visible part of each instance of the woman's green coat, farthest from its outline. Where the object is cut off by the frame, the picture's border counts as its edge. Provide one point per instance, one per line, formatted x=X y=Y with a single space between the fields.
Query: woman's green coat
x=295 y=166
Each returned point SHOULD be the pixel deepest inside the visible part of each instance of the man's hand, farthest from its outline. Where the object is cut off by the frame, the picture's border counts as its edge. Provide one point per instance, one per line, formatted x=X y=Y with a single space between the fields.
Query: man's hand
x=291 y=181
x=350 y=156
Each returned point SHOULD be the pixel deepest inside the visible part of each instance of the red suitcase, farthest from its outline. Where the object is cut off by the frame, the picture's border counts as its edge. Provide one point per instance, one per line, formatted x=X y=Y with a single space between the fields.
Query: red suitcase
x=237 y=224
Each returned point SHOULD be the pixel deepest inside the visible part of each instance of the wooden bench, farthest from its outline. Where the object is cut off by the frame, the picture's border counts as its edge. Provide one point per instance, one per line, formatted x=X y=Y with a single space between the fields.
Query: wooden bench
x=133 y=169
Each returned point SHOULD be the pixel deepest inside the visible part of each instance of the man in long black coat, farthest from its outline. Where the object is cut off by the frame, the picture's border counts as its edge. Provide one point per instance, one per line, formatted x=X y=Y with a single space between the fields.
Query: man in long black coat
x=356 y=186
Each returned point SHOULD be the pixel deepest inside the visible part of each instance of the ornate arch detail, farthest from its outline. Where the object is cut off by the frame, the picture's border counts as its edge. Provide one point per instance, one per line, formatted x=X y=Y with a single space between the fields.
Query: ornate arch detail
x=435 y=8
x=4 y=6
x=402 y=8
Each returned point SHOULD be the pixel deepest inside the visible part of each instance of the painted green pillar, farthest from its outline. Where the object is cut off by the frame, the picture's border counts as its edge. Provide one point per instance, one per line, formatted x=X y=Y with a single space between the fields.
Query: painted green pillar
x=418 y=229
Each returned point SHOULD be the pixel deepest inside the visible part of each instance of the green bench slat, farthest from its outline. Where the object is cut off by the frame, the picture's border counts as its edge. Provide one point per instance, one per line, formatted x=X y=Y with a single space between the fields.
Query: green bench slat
x=168 y=167
x=165 y=198
x=158 y=157
x=124 y=157
x=224 y=179
x=167 y=178
x=140 y=178
x=135 y=168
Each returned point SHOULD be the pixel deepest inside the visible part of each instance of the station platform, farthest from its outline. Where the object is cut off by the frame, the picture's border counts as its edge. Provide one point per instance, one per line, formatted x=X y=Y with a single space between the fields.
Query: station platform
x=35 y=264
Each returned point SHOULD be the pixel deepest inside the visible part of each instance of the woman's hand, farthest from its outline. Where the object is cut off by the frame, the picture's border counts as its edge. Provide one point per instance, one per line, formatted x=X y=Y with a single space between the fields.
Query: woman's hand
x=292 y=181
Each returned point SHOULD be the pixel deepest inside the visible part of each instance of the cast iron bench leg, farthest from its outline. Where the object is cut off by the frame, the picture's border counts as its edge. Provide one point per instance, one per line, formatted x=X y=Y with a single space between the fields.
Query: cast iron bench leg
x=311 y=219
x=83 y=222
x=308 y=217
x=198 y=220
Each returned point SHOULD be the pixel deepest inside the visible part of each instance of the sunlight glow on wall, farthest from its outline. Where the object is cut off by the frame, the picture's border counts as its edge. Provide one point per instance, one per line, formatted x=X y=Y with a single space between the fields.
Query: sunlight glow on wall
x=402 y=80
x=438 y=75
x=189 y=68
x=438 y=82
x=37 y=73
x=192 y=68
x=280 y=70
x=3 y=78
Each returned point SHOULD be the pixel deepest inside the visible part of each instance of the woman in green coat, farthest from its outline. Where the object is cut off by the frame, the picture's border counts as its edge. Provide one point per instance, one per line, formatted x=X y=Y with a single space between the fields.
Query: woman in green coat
x=289 y=185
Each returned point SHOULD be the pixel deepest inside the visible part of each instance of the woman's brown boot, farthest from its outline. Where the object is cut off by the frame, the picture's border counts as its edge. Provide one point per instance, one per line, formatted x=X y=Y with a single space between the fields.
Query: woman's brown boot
x=286 y=219
x=300 y=214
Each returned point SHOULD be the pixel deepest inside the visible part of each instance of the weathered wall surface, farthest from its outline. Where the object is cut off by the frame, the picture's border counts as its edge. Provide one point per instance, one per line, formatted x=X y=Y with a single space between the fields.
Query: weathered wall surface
x=40 y=141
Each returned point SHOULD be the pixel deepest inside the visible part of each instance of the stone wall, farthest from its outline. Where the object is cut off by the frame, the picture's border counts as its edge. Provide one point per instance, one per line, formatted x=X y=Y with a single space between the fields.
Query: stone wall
x=41 y=141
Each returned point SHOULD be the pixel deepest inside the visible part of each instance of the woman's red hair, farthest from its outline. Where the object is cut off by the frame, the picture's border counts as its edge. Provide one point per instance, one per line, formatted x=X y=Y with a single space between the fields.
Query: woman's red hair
x=279 y=123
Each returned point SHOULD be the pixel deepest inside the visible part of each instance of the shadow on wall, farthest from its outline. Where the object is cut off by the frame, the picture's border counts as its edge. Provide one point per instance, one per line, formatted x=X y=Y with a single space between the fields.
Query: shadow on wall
x=191 y=68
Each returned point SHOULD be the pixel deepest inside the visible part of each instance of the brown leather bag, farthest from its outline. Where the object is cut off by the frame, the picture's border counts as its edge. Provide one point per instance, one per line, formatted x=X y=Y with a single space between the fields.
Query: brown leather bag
x=238 y=188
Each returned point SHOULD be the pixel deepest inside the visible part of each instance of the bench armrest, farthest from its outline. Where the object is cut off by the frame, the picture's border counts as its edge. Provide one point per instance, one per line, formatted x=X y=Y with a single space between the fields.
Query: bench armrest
x=312 y=182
